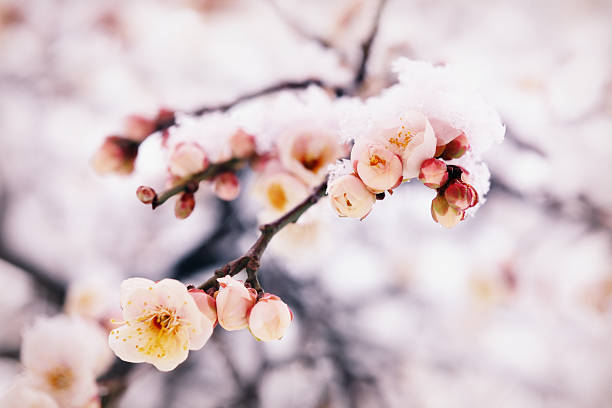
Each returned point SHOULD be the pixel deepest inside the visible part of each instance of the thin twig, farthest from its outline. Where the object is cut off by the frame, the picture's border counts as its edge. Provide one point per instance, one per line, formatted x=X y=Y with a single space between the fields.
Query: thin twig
x=366 y=48
x=250 y=260
x=191 y=184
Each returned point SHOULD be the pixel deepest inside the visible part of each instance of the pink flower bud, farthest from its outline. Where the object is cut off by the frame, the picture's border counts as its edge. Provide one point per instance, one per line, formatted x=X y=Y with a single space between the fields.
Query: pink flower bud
x=378 y=167
x=444 y=214
x=137 y=127
x=269 y=318
x=242 y=144
x=206 y=304
x=164 y=118
x=116 y=155
x=187 y=159
x=456 y=147
x=146 y=194
x=459 y=195
x=234 y=302
x=433 y=173
x=226 y=186
x=350 y=197
x=184 y=205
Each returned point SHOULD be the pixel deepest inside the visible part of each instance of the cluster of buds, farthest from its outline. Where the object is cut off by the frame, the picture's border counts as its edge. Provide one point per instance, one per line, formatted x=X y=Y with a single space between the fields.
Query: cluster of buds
x=118 y=152
x=455 y=194
x=164 y=320
x=188 y=160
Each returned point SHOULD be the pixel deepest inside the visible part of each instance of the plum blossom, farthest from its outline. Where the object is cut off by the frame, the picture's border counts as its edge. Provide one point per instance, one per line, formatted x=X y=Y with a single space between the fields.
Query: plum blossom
x=234 y=302
x=62 y=357
x=226 y=186
x=162 y=322
x=187 y=159
x=21 y=395
x=378 y=167
x=116 y=155
x=269 y=318
x=206 y=304
x=349 y=197
x=279 y=192
x=91 y=298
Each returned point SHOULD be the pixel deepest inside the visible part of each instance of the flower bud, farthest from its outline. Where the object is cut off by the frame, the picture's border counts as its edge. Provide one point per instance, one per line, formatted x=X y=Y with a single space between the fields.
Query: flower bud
x=234 y=302
x=350 y=197
x=269 y=318
x=137 y=127
x=433 y=173
x=116 y=155
x=187 y=159
x=444 y=214
x=206 y=304
x=456 y=147
x=242 y=144
x=378 y=167
x=165 y=117
x=184 y=205
x=226 y=186
x=460 y=195
x=146 y=194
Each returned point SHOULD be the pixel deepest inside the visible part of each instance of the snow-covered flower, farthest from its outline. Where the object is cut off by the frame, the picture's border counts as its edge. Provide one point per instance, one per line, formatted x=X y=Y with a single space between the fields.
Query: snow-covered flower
x=378 y=167
x=62 y=356
x=234 y=302
x=269 y=318
x=241 y=144
x=22 y=395
x=187 y=159
x=162 y=323
x=350 y=197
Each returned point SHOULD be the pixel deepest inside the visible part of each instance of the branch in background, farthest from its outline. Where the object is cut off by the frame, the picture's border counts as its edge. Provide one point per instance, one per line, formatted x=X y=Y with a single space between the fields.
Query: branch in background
x=366 y=48
x=250 y=260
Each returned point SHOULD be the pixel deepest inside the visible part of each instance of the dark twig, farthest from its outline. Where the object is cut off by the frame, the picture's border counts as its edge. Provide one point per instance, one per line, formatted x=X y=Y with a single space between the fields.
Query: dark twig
x=290 y=22
x=250 y=260
x=366 y=48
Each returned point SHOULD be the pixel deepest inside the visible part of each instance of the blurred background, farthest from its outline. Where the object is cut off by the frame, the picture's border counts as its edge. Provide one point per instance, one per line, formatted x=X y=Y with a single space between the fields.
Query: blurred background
x=512 y=308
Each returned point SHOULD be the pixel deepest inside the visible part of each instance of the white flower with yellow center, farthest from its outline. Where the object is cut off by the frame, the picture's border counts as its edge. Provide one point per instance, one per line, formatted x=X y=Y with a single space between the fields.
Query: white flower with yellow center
x=161 y=323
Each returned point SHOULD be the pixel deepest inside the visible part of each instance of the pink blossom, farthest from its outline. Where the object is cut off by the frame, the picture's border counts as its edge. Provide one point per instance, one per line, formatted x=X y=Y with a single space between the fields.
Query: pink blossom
x=187 y=159
x=116 y=155
x=226 y=186
x=234 y=302
x=206 y=304
x=350 y=197
x=269 y=318
x=378 y=167
x=184 y=206
x=242 y=144
x=433 y=173
x=137 y=127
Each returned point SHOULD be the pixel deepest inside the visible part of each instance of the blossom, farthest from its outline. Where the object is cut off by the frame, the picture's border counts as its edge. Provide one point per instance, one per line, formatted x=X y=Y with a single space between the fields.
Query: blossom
x=146 y=194
x=307 y=153
x=62 y=357
x=279 y=192
x=187 y=159
x=116 y=155
x=350 y=197
x=234 y=302
x=445 y=214
x=433 y=173
x=91 y=298
x=226 y=186
x=377 y=166
x=461 y=195
x=184 y=205
x=205 y=303
x=162 y=323
x=269 y=318
x=241 y=144
x=21 y=395
x=137 y=127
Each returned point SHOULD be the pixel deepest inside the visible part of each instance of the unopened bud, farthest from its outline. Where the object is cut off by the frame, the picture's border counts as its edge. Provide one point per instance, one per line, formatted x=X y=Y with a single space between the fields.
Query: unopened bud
x=460 y=195
x=433 y=173
x=234 y=303
x=439 y=150
x=226 y=186
x=116 y=155
x=269 y=318
x=184 y=205
x=350 y=197
x=456 y=147
x=146 y=194
x=444 y=214
x=242 y=144
x=137 y=127
x=164 y=118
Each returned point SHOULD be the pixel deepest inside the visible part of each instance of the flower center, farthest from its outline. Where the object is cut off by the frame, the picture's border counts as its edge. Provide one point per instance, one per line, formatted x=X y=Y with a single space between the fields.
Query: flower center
x=402 y=139
x=376 y=160
x=60 y=378
x=277 y=196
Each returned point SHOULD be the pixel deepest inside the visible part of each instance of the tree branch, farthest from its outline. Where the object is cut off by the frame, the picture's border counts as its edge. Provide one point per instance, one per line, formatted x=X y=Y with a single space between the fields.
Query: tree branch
x=250 y=260
x=366 y=48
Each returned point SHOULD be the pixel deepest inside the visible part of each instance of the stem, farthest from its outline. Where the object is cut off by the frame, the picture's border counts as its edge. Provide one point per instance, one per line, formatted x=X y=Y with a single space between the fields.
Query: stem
x=251 y=259
x=192 y=182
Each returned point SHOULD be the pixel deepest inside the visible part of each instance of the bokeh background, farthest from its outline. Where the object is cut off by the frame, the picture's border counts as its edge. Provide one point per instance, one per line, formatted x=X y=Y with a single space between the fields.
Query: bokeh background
x=512 y=308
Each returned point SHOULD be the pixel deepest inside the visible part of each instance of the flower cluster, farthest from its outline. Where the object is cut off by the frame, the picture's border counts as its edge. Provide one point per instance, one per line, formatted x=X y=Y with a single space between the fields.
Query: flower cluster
x=163 y=320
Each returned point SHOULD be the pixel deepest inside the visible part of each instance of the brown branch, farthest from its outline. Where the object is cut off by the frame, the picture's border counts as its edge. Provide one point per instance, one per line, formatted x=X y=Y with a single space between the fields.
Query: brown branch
x=251 y=259
x=366 y=48
x=191 y=184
